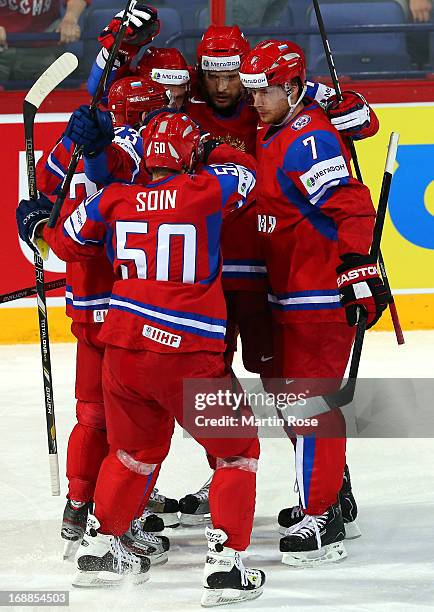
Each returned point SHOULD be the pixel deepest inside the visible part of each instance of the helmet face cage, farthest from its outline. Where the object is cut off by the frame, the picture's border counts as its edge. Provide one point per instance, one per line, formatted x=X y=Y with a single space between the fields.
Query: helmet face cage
x=171 y=140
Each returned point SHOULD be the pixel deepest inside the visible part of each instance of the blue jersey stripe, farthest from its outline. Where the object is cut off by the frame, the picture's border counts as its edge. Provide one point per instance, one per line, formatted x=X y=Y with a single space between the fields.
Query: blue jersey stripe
x=172 y=325
x=309 y=444
x=175 y=313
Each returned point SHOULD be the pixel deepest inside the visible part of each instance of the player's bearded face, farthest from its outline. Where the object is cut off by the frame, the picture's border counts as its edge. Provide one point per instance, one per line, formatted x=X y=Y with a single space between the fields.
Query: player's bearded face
x=223 y=88
x=271 y=103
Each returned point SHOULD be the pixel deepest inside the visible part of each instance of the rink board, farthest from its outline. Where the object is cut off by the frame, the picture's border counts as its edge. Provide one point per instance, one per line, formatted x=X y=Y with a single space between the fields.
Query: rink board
x=408 y=240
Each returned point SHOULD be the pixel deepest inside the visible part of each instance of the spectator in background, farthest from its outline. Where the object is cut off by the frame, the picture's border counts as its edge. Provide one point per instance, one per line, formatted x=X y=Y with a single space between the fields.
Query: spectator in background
x=27 y=60
x=420 y=10
x=257 y=14
x=418 y=42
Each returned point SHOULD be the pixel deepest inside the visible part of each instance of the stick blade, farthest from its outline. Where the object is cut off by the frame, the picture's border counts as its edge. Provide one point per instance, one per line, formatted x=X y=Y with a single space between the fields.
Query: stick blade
x=51 y=78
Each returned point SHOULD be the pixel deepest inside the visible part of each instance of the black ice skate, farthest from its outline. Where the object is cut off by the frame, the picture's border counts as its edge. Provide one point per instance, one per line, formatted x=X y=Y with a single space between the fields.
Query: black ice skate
x=288 y=517
x=194 y=507
x=74 y=525
x=225 y=578
x=164 y=507
x=103 y=561
x=144 y=544
x=349 y=508
x=151 y=522
x=315 y=540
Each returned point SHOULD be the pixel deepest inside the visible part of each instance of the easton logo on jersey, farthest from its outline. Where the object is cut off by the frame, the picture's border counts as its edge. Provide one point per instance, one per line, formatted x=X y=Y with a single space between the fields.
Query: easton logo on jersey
x=163 y=337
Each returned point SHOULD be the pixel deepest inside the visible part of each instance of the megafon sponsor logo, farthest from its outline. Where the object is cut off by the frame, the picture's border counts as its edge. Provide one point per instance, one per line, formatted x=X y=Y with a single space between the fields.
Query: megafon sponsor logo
x=170 y=76
x=312 y=180
x=221 y=63
x=323 y=172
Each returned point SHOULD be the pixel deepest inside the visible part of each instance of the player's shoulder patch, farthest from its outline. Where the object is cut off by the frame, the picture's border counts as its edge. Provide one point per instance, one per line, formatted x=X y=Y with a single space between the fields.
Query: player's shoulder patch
x=300 y=122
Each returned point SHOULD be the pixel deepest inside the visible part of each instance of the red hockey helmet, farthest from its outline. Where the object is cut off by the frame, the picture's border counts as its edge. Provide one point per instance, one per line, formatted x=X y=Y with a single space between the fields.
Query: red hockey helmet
x=165 y=66
x=171 y=140
x=273 y=62
x=222 y=48
x=130 y=97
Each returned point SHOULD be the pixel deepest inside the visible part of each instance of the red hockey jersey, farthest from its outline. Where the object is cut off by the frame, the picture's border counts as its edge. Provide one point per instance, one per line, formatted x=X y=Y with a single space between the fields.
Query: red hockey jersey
x=163 y=240
x=237 y=129
x=88 y=283
x=310 y=212
x=243 y=264
x=243 y=267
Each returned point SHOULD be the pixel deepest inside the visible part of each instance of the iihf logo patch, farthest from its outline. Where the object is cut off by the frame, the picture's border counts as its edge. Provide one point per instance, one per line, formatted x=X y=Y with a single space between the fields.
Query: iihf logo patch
x=300 y=122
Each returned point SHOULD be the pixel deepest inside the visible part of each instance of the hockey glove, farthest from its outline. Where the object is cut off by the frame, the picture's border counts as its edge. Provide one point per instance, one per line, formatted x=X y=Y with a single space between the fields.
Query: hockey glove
x=31 y=214
x=209 y=144
x=352 y=116
x=360 y=285
x=143 y=28
x=91 y=129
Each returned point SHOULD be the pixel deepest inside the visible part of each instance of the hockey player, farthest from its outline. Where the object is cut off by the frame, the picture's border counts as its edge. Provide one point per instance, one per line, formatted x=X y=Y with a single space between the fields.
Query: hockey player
x=315 y=222
x=141 y=226
x=169 y=68
x=122 y=162
x=224 y=110
x=88 y=290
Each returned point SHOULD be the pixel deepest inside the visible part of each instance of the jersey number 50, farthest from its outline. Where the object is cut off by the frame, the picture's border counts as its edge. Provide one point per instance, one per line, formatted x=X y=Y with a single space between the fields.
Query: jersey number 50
x=162 y=260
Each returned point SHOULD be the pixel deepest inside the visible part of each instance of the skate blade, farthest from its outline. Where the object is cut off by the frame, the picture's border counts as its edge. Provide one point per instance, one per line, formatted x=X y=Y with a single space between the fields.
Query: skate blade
x=159 y=559
x=170 y=519
x=332 y=553
x=352 y=530
x=221 y=597
x=70 y=548
x=107 y=579
x=193 y=520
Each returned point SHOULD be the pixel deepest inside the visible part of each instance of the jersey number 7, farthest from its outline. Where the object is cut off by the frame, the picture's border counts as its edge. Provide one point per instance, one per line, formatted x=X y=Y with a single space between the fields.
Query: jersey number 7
x=310 y=140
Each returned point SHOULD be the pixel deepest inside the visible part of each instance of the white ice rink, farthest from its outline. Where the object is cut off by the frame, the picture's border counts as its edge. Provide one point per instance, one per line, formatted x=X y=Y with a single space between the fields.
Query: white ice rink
x=390 y=568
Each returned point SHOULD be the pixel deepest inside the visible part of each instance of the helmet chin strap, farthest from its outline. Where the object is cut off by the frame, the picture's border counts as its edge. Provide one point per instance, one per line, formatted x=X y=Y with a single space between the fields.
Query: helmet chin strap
x=292 y=107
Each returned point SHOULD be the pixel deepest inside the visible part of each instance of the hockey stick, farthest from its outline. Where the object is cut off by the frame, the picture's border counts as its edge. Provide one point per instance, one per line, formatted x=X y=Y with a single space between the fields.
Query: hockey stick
x=78 y=150
x=337 y=87
x=345 y=395
x=29 y=291
x=48 y=81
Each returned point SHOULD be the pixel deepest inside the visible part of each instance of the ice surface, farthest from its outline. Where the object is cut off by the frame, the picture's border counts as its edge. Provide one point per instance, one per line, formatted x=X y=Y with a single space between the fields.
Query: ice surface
x=390 y=568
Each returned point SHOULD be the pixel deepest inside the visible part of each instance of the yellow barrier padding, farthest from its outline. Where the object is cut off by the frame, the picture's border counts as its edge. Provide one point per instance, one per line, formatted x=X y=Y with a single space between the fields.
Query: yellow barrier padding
x=20 y=325
x=415 y=312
